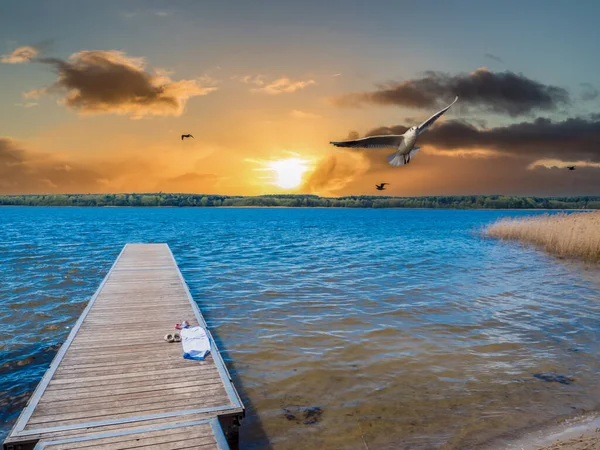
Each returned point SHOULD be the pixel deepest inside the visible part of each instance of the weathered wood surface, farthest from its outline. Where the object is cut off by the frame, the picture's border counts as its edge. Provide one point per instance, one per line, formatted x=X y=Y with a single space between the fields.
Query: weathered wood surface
x=203 y=435
x=115 y=369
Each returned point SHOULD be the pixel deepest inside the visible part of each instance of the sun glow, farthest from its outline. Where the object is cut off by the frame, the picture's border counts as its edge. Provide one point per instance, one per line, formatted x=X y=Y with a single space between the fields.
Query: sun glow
x=288 y=172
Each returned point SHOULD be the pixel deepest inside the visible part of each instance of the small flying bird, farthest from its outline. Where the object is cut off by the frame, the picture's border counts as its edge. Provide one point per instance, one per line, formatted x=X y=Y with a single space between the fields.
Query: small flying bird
x=404 y=143
x=381 y=187
x=571 y=167
x=187 y=136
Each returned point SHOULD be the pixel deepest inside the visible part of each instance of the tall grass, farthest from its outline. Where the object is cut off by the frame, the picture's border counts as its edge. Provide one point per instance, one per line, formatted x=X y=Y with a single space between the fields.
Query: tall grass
x=574 y=235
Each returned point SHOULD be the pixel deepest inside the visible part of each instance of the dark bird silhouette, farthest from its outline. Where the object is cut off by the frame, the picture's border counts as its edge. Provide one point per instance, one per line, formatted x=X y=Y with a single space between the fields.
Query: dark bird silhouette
x=381 y=187
x=187 y=136
x=571 y=167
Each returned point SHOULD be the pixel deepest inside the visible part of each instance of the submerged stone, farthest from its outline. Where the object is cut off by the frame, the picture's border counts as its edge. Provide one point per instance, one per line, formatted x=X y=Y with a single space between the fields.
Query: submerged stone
x=288 y=414
x=312 y=415
x=554 y=378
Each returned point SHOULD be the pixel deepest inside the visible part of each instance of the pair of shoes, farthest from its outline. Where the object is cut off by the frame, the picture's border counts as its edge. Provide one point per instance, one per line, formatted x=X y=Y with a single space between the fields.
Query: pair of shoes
x=173 y=337
x=182 y=325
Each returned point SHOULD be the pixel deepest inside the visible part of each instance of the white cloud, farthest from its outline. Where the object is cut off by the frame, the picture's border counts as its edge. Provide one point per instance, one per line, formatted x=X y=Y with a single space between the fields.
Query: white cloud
x=20 y=55
x=304 y=115
x=35 y=93
x=258 y=80
x=26 y=105
x=283 y=85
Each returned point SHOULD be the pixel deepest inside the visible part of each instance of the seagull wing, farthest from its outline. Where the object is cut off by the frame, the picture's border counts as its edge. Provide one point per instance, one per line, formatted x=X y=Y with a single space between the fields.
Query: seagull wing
x=391 y=140
x=182 y=136
x=435 y=117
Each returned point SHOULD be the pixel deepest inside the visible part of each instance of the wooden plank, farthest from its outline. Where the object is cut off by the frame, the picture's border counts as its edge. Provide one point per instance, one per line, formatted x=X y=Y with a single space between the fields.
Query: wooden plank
x=136 y=398
x=203 y=434
x=95 y=430
x=116 y=372
x=83 y=393
x=117 y=360
x=119 y=411
x=144 y=437
x=176 y=370
x=138 y=362
x=122 y=427
x=119 y=419
x=200 y=435
x=123 y=368
x=115 y=379
x=93 y=348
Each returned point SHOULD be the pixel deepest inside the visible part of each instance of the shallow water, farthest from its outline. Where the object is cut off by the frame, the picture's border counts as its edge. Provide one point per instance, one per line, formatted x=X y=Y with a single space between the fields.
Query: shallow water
x=405 y=327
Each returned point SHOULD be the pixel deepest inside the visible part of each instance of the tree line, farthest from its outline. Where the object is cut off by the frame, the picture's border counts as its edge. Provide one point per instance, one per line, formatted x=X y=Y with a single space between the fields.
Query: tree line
x=364 y=201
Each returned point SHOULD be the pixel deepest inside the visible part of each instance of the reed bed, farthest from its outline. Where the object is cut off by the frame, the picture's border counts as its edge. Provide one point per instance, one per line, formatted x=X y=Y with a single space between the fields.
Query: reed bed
x=575 y=235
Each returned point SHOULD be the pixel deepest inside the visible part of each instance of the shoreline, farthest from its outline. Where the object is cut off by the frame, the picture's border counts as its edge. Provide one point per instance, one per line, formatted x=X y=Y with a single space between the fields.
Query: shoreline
x=575 y=433
x=475 y=202
x=303 y=207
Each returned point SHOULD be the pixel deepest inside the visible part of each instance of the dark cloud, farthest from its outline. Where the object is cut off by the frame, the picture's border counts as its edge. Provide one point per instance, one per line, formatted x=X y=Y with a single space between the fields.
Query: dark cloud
x=574 y=139
x=437 y=174
x=112 y=82
x=441 y=173
x=571 y=139
x=412 y=121
x=494 y=58
x=22 y=171
x=526 y=158
x=589 y=92
x=445 y=173
x=502 y=92
x=398 y=129
x=401 y=129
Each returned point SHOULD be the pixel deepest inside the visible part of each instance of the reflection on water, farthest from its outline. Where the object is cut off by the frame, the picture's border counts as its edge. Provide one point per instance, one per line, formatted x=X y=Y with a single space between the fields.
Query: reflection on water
x=386 y=328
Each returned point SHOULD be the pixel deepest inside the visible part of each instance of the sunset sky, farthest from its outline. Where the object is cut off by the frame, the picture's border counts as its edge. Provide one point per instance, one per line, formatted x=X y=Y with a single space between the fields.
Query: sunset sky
x=95 y=96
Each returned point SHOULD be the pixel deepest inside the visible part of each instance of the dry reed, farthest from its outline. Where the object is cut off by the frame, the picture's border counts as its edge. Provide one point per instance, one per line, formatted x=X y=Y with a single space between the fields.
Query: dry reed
x=574 y=235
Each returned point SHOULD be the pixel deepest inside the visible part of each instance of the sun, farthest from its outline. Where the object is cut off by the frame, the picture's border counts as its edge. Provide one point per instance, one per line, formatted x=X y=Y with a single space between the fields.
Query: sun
x=288 y=172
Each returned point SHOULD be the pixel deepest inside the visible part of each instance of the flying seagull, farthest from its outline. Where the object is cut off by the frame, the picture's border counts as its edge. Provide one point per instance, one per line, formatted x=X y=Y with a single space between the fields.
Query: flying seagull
x=381 y=187
x=187 y=136
x=404 y=143
x=571 y=167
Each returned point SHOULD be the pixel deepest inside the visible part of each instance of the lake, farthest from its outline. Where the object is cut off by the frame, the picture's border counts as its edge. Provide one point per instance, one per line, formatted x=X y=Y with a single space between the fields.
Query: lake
x=406 y=328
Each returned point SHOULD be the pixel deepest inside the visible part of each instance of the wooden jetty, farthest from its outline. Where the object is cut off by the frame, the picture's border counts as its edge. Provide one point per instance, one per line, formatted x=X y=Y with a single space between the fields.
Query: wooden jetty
x=116 y=384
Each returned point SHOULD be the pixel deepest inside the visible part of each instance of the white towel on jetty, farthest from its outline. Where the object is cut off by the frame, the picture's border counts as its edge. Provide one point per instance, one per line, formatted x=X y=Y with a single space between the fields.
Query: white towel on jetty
x=196 y=344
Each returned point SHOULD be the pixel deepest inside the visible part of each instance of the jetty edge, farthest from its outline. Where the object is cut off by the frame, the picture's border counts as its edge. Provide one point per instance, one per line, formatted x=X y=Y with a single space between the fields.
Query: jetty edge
x=115 y=383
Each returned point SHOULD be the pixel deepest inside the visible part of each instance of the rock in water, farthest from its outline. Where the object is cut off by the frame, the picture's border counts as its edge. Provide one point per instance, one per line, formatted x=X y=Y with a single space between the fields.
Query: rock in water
x=554 y=378
x=312 y=415
x=288 y=414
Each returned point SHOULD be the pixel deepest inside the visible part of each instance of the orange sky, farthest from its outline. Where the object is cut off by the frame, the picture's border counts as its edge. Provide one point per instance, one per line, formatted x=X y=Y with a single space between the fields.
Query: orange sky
x=262 y=108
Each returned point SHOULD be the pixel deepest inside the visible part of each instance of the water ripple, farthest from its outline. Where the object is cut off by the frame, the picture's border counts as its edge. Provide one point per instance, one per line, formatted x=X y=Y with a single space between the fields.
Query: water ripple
x=385 y=319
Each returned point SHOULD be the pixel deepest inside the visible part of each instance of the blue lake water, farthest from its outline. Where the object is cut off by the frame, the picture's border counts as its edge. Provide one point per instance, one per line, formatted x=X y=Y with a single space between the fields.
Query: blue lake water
x=406 y=327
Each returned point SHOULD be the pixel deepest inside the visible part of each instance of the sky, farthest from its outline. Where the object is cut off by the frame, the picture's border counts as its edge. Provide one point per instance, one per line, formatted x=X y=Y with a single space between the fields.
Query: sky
x=94 y=96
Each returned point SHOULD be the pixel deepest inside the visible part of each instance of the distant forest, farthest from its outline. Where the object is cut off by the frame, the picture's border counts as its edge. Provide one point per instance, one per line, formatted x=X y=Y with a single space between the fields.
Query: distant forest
x=183 y=200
